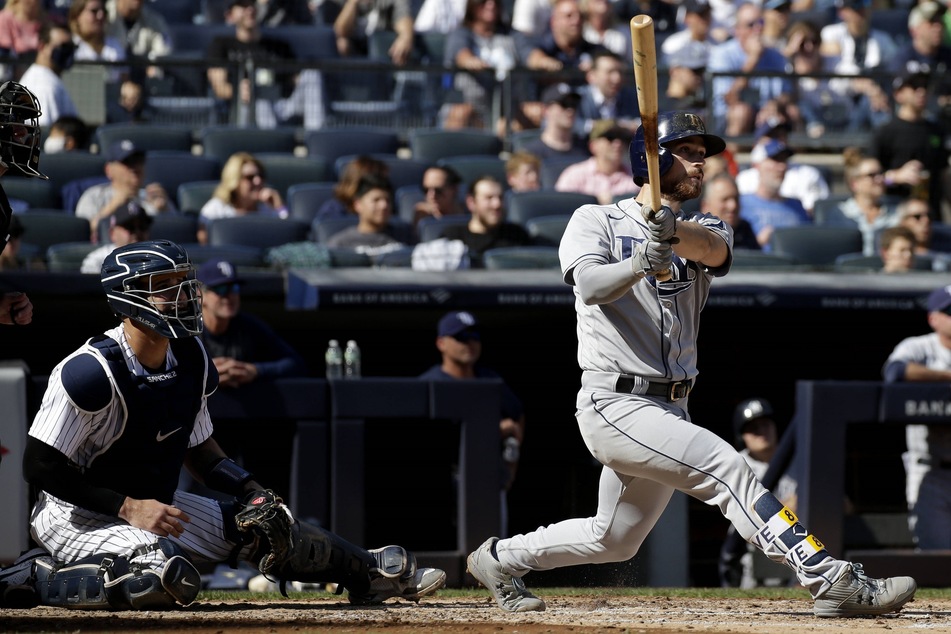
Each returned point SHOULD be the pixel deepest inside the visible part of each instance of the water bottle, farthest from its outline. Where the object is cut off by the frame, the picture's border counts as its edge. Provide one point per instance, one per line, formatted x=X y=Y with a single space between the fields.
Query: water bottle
x=351 y=361
x=334 y=359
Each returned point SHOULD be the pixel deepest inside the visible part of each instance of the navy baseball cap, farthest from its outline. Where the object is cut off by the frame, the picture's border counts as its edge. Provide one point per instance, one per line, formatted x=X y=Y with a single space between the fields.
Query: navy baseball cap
x=750 y=410
x=124 y=151
x=132 y=217
x=770 y=148
x=940 y=300
x=771 y=126
x=215 y=272
x=456 y=322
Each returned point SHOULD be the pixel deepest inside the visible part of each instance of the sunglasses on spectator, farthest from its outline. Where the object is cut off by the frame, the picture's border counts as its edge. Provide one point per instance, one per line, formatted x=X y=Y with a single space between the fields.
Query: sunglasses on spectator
x=251 y=177
x=753 y=24
x=918 y=216
x=225 y=289
x=436 y=190
x=871 y=174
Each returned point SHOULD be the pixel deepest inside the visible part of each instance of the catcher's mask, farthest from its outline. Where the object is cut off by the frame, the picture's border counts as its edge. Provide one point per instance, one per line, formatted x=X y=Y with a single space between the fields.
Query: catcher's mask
x=19 y=129
x=671 y=126
x=137 y=284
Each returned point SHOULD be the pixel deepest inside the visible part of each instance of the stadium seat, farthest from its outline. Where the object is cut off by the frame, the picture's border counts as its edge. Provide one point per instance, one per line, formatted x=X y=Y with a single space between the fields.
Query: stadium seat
x=547 y=230
x=430 y=145
x=46 y=228
x=172 y=168
x=330 y=144
x=67 y=257
x=526 y=257
x=220 y=142
x=64 y=167
x=192 y=196
x=261 y=232
x=146 y=137
x=815 y=246
x=552 y=169
x=470 y=167
x=322 y=229
x=285 y=170
x=305 y=199
x=179 y=228
x=432 y=228
x=526 y=205
x=35 y=192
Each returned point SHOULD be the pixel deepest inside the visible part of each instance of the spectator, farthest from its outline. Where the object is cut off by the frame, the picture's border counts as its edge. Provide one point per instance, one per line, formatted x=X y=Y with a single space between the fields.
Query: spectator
x=10 y=256
x=67 y=134
x=913 y=214
x=662 y=12
x=735 y=112
x=269 y=98
x=241 y=191
x=866 y=209
x=766 y=208
x=127 y=224
x=911 y=147
x=825 y=104
x=532 y=17
x=686 y=88
x=605 y=175
x=441 y=194
x=439 y=16
x=342 y=202
x=858 y=48
x=927 y=358
x=523 y=172
x=925 y=51
x=276 y=13
x=483 y=43
x=141 y=29
x=695 y=36
x=20 y=25
x=373 y=234
x=55 y=55
x=359 y=19
x=563 y=46
x=756 y=431
x=897 y=250
x=125 y=169
x=487 y=228
x=722 y=199
x=459 y=343
x=607 y=95
x=245 y=350
x=776 y=22
x=87 y=22
x=602 y=27
x=558 y=139
x=801 y=181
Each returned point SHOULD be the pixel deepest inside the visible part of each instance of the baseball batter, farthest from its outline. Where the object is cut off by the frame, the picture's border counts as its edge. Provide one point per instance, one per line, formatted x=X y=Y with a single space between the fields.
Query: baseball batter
x=120 y=417
x=637 y=350
x=928 y=447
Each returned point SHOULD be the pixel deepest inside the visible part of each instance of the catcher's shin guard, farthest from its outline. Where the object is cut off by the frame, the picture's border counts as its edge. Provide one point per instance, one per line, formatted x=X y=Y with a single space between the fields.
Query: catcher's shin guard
x=108 y=581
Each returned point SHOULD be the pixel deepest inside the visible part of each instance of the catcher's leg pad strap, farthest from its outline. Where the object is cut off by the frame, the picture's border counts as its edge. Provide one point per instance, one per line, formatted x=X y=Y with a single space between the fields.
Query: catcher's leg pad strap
x=393 y=562
x=782 y=538
x=79 y=585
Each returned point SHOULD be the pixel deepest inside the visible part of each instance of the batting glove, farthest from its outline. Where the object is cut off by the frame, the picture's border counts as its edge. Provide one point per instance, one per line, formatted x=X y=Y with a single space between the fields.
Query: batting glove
x=663 y=224
x=651 y=258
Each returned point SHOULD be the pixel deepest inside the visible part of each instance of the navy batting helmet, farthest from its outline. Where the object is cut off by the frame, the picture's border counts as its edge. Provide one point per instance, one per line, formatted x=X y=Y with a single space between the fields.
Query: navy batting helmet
x=671 y=126
x=19 y=129
x=171 y=309
x=750 y=410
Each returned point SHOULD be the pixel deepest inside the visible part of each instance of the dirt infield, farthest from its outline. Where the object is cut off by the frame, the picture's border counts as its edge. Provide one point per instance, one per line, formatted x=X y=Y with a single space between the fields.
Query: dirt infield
x=583 y=615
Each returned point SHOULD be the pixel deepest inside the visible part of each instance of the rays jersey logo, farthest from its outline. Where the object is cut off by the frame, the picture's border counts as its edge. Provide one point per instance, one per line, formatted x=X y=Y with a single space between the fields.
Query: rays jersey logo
x=681 y=278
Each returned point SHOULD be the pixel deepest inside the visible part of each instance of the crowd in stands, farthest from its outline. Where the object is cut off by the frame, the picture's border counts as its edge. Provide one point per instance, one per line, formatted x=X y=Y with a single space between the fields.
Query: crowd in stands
x=790 y=72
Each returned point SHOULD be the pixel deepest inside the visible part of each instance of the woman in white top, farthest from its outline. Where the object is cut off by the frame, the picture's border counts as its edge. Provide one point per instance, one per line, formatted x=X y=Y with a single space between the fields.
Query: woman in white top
x=87 y=22
x=241 y=192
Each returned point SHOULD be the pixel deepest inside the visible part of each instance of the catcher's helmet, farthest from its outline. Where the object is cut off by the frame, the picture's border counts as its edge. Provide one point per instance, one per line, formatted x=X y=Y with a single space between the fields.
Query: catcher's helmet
x=173 y=311
x=19 y=129
x=749 y=410
x=671 y=126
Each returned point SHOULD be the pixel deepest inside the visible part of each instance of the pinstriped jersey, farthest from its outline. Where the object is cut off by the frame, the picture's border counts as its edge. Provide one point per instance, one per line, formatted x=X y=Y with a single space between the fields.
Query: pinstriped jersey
x=651 y=331
x=85 y=422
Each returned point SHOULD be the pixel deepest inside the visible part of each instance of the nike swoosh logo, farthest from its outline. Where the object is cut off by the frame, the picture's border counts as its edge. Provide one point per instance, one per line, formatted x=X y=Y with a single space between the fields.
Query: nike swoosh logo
x=185 y=582
x=159 y=437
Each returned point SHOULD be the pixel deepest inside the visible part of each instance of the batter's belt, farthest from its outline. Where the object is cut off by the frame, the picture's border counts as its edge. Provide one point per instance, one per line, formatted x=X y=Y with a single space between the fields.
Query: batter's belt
x=673 y=391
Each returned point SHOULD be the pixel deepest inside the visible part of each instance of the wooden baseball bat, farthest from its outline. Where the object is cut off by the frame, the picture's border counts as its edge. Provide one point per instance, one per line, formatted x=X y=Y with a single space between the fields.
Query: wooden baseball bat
x=645 y=80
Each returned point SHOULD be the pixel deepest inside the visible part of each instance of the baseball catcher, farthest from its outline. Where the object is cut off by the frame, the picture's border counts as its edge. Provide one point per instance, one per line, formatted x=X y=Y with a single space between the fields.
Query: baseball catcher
x=120 y=417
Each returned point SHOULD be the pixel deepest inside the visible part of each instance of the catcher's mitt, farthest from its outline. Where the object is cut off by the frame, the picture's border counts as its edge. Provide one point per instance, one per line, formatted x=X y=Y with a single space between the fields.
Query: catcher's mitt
x=267 y=516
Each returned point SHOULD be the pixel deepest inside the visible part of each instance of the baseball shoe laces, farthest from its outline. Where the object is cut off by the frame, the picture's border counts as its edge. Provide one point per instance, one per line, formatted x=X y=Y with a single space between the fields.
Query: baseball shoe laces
x=855 y=594
x=509 y=591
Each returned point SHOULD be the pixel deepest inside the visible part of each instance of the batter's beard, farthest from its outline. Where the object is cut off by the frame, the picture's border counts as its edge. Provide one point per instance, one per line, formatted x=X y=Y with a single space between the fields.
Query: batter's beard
x=679 y=190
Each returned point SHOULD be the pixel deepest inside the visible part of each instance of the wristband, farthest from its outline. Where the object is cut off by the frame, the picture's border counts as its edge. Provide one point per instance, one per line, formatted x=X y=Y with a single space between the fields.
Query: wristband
x=228 y=476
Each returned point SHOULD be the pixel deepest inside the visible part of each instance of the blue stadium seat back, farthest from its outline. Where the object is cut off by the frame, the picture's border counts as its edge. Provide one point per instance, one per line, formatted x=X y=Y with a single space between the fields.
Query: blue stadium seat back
x=893 y=21
x=524 y=206
x=471 y=167
x=332 y=143
x=430 y=145
x=46 y=228
x=398 y=259
x=321 y=229
x=145 y=137
x=552 y=169
x=754 y=259
x=432 y=228
x=239 y=255
x=179 y=228
x=403 y=171
x=67 y=257
x=305 y=199
x=64 y=167
x=940 y=237
x=406 y=198
x=816 y=246
x=285 y=170
x=343 y=257
x=262 y=232
x=547 y=230
x=73 y=190
x=36 y=192
x=524 y=257
x=308 y=41
x=192 y=196
x=220 y=142
x=195 y=38
x=177 y=11
x=521 y=138
x=171 y=168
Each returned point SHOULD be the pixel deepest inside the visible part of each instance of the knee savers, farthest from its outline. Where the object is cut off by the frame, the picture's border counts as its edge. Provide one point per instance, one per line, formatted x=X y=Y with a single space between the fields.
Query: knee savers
x=108 y=581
